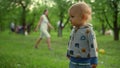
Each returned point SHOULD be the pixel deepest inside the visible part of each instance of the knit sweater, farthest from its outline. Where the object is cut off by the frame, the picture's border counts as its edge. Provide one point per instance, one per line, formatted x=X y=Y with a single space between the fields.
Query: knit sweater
x=82 y=45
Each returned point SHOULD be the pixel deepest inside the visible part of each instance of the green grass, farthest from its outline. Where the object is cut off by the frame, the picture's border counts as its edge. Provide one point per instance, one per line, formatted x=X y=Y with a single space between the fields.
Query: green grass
x=17 y=51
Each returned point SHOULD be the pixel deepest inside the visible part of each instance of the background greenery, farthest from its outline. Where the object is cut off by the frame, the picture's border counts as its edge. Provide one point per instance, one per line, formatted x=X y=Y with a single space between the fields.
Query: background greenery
x=17 y=51
x=105 y=14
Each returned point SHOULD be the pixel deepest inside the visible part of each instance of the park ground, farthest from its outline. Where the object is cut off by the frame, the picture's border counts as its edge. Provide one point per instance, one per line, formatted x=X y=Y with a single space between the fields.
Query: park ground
x=17 y=51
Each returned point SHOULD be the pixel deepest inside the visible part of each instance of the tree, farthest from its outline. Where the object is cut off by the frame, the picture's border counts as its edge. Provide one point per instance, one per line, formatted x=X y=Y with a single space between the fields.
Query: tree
x=12 y=10
x=99 y=13
x=109 y=10
x=4 y=8
x=115 y=6
x=24 y=6
x=62 y=6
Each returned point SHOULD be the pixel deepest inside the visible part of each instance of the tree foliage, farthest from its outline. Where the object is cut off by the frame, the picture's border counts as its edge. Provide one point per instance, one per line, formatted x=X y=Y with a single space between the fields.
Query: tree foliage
x=107 y=12
x=62 y=6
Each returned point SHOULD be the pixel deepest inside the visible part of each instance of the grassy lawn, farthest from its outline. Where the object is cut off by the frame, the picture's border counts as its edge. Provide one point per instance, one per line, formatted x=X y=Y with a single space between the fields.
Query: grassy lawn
x=17 y=51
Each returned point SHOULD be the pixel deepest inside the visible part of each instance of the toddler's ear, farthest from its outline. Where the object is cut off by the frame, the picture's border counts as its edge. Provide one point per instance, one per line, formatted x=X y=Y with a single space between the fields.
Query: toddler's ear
x=84 y=17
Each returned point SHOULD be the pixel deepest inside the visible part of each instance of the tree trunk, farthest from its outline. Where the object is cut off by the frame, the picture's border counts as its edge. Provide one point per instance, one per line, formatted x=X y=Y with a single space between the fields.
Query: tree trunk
x=102 y=25
x=29 y=26
x=60 y=25
x=60 y=29
x=116 y=34
x=2 y=27
x=66 y=22
x=103 y=28
x=24 y=18
x=115 y=24
x=107 y=21
x=116 y=29
x=0 y=24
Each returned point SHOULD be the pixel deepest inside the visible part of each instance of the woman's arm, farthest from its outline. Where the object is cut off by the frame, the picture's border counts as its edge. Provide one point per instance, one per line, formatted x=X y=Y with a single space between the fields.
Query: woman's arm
x=39 y=23
x=49 y=25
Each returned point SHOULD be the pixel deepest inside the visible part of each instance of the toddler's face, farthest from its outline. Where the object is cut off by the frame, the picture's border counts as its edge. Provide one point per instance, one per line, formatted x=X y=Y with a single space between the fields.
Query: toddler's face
x=74 y=18
x=79 y=14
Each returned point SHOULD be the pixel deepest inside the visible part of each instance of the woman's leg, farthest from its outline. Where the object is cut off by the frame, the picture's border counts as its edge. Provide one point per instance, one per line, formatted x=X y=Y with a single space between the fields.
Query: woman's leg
x=37 y=42
x=49 y=43
x=47 y=35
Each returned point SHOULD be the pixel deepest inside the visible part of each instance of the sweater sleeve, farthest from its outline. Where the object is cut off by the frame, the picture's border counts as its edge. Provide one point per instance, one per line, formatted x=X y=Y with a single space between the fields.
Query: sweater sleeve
x=94 y=60
x=92 y=46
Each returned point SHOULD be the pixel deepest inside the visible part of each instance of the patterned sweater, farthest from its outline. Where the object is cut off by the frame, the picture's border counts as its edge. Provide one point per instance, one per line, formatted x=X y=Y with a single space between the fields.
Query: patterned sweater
x=82 y=46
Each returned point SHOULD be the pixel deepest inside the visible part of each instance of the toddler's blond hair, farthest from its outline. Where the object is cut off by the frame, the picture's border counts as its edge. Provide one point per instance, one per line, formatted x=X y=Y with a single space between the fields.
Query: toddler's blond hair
x=81 y=8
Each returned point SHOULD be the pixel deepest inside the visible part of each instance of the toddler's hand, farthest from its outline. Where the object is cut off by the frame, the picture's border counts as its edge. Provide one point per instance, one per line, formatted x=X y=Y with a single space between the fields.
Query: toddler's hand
x=68 y=56
x=94 y=65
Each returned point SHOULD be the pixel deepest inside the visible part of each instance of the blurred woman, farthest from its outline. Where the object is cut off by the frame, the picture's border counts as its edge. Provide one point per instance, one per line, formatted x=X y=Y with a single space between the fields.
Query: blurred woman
x=44 y=24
